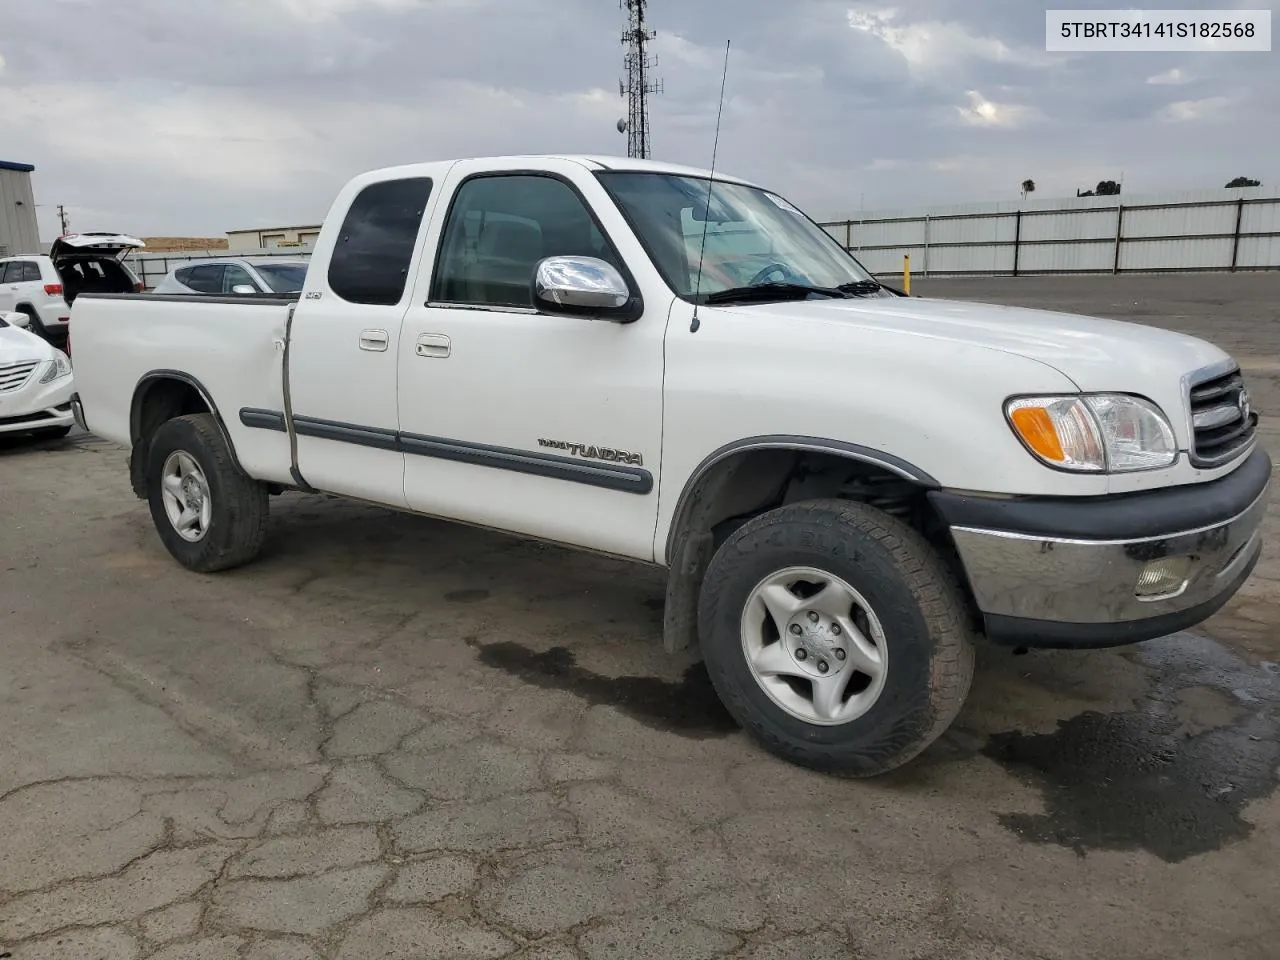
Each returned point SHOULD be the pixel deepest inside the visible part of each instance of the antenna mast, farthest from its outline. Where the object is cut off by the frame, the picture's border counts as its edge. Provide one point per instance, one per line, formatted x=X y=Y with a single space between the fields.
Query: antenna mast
x=711 y=182
x=638 y=84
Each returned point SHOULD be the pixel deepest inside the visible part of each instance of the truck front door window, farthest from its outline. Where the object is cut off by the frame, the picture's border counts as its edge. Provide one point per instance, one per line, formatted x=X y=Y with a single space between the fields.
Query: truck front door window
x=499 y=227
x=374 y=249
x=751 y=236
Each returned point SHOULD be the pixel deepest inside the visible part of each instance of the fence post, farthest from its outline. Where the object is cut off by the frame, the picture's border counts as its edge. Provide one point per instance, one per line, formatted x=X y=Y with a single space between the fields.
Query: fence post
x=848 y=236
x=1017 y=239
x=906 y=274
x=1115 y=263
x=1235 y=242
x=924 y=263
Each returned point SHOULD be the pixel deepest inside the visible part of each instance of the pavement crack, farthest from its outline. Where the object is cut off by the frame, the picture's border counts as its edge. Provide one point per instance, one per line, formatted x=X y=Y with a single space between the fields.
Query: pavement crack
x=126 y=678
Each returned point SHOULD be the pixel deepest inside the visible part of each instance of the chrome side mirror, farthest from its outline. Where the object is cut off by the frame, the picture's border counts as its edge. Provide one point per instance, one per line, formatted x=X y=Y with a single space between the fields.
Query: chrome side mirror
x=16 y=319
x=585 y=286
x=245 y=289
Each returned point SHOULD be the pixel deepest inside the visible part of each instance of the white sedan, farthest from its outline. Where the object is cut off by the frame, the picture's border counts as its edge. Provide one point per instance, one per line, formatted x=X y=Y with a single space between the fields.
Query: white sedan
x=35 y=382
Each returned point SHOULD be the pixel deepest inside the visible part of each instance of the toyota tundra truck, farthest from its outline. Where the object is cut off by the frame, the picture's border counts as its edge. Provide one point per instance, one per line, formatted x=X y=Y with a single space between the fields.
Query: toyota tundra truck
x=848 y=488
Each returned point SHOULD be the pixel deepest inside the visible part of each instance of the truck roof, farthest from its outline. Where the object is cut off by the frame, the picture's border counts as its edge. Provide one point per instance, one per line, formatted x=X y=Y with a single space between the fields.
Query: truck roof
x=592 y=161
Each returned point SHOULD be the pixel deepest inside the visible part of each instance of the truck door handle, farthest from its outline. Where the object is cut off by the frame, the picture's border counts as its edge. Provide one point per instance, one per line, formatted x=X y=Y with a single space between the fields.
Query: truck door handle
x=433 y=345
x=374 y=340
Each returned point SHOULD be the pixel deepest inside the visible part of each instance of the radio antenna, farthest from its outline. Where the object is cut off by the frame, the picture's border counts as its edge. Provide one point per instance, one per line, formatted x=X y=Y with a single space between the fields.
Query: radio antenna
x=706 y=214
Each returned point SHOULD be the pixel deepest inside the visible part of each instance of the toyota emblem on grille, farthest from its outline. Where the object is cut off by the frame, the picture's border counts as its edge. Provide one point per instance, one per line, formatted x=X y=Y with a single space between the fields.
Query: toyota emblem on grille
x=1242 y=401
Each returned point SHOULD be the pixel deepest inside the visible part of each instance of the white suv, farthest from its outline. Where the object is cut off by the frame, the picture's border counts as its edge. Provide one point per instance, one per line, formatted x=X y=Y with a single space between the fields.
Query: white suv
x=43 y=288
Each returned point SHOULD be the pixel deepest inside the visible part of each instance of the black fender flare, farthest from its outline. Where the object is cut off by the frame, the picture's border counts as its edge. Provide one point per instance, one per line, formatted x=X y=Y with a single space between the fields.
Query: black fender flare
x=687 y=556
x=135 y=417
x=840 y=448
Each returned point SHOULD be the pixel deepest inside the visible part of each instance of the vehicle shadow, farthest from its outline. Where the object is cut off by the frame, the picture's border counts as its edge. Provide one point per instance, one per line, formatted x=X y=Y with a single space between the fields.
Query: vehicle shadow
x=17 y=443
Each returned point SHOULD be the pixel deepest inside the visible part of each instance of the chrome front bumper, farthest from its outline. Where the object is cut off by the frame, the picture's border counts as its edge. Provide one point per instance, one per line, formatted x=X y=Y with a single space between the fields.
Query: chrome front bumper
x=1036 y=589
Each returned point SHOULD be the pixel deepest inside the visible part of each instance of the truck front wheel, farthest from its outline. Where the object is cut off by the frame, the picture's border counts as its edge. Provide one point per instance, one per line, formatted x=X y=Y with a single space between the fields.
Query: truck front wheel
x=835 y=636
x=209 y=514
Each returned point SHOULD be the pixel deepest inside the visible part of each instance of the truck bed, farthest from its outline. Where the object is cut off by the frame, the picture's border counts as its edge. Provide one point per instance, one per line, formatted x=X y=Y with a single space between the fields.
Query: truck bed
x=229 y=346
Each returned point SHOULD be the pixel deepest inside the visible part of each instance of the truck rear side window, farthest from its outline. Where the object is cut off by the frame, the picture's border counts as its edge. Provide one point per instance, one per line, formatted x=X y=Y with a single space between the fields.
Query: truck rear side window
x=371 y=259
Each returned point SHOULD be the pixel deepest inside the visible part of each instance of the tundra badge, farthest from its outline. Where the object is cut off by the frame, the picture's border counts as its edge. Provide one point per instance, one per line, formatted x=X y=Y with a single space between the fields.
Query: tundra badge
x=590 y=452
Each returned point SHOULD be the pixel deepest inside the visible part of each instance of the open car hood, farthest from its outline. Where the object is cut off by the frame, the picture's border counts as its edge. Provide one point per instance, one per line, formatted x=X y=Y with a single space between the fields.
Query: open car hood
x=116 y=245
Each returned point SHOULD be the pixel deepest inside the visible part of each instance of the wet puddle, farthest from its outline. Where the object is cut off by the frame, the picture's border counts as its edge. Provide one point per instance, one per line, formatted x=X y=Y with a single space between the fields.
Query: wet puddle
x=1171 y=777
x=689 y=708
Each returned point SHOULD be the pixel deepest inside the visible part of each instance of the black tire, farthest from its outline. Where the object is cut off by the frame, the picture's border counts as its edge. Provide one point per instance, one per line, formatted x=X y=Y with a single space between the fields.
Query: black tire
x=238 y=519
x=927 y=633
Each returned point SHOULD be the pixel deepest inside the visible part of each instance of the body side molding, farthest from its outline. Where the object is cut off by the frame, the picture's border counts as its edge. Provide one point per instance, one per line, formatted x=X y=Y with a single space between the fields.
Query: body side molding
x=607 y=476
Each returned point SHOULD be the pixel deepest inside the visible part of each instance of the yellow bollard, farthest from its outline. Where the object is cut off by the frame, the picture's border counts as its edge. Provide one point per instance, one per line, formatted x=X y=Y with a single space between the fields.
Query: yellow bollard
x=906 y=274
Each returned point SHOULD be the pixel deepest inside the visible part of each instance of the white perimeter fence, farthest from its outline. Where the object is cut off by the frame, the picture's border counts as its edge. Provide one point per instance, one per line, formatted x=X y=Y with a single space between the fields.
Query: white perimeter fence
x=1206 y=230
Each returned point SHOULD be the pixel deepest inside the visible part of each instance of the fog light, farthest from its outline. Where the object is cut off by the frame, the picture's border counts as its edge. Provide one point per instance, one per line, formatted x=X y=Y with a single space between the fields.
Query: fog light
x=1163 y=579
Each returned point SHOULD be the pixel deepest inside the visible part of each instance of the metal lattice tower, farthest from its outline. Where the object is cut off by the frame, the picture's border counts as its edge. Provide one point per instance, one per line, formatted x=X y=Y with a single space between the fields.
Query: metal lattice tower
x=639 y=83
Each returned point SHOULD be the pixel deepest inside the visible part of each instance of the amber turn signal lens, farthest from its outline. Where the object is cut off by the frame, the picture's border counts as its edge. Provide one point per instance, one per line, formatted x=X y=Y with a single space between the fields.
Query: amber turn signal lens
x=1035 y=427
x=1059 y=430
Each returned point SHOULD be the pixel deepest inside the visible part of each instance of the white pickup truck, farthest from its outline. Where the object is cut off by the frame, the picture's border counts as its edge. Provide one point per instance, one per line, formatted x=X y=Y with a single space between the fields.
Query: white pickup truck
x=847 y=487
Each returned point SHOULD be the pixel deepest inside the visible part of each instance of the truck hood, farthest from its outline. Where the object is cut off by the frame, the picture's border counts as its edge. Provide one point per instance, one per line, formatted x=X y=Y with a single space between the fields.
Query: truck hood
x=1094 y=353
x=18 y=346
x=115 y=245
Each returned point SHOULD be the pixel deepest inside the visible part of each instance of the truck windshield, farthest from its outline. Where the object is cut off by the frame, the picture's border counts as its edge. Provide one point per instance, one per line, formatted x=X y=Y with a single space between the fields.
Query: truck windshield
x=753 y=237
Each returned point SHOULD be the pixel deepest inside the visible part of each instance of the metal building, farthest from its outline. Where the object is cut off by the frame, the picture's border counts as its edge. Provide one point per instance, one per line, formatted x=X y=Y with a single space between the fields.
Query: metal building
x=18 y=231
x=271 y=238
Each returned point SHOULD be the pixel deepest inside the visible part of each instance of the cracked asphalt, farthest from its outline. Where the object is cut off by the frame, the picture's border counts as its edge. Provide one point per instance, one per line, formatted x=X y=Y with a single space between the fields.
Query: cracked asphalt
x=396 y=739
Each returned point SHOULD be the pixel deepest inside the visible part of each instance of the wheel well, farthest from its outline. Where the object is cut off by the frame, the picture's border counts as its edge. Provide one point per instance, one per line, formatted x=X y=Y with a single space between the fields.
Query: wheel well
x=747 y=484
x=155 y=402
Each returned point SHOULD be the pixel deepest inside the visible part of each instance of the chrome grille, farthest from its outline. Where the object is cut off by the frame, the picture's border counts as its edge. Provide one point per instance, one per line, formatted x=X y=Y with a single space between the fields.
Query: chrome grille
x=15 y=375
x=1222 y=419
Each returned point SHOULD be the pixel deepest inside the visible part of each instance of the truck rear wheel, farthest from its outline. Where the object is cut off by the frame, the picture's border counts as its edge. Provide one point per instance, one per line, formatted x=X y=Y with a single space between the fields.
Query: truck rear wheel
x=835 y=636
x=209 y=514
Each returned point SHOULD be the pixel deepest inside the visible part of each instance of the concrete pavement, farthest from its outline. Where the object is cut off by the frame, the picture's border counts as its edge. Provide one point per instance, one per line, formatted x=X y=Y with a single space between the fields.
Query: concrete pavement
x=394 y=738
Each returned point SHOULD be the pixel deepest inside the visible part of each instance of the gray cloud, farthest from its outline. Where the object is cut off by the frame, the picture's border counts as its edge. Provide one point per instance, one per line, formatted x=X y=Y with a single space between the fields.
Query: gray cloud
x=153 y=117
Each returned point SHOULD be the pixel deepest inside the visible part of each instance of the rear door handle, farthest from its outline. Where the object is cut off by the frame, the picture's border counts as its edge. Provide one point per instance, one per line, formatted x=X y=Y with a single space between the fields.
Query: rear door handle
x=374 y=340
x=434 y=345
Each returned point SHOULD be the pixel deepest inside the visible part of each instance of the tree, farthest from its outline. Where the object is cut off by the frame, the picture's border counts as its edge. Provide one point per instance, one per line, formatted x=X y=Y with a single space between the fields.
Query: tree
x=1105 y=188
x=1244 y=182
x=1028 y=186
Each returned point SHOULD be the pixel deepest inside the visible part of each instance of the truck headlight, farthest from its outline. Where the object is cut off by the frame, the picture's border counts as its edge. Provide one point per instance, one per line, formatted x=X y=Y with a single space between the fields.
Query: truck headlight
x=1094 y=433
x=61 y=367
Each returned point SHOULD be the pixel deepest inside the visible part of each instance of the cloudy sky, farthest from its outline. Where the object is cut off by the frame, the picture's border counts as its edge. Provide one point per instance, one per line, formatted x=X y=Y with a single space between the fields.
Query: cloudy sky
x=196 y=117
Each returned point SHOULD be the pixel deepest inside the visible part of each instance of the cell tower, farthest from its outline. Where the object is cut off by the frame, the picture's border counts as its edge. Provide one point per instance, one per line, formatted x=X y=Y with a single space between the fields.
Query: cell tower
x=638 y=84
